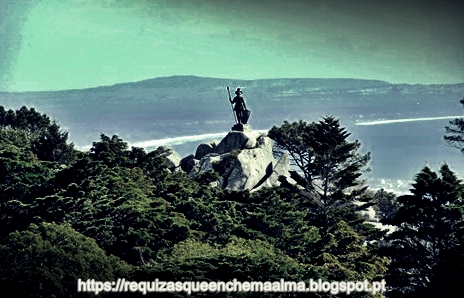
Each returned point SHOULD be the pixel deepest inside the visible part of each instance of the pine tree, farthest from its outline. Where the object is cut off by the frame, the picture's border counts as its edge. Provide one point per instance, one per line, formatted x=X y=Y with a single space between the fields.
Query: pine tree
x=26 y=128
x=289 y=137
x=386 y=204
x=430 y=222
x=331 y=167
x=51 y=145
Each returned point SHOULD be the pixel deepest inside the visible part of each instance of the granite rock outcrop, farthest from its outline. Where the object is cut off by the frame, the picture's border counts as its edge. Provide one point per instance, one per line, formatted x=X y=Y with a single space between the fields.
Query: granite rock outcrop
x=243 y=159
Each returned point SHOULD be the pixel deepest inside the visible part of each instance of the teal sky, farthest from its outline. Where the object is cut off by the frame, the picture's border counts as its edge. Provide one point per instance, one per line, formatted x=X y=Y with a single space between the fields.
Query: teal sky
x=69 y=44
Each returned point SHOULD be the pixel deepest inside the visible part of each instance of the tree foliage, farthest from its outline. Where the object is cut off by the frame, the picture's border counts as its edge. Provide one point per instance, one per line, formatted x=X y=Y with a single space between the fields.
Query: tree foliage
x=46 y=260
x=331 y=167
x=290 y=137
x=22 y=179
x=386 y=204
x=455 y=132
x=106 y=196
x=430 y=222
x=117 y=211
x=26 y=128
x=240 y=259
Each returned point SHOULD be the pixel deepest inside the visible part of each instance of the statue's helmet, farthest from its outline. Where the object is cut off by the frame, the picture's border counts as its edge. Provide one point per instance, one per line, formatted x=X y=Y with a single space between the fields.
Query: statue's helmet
x=238 y=91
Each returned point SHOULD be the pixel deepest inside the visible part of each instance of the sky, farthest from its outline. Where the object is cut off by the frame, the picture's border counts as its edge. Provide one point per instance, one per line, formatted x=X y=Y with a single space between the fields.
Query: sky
x=74 y=44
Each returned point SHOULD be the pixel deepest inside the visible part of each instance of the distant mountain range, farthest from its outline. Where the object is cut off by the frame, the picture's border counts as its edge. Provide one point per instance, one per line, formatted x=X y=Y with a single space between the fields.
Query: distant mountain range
x=180 y=106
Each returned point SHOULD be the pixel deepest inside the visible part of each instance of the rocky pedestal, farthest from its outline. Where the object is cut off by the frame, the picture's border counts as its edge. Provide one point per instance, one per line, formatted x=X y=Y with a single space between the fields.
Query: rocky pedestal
x=241 y=127
x=243 y=159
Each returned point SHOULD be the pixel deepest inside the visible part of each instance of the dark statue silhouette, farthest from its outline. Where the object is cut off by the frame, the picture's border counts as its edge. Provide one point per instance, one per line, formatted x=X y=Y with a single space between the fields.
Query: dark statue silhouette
x=241 y=111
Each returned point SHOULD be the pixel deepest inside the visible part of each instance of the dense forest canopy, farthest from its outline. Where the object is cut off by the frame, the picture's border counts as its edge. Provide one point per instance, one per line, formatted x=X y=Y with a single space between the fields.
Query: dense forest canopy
x=119 y=212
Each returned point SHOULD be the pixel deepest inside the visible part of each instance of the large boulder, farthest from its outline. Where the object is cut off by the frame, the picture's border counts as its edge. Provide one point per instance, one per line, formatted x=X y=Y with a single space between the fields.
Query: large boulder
x=185 y=161
x=237 y=140
x=204 y=149
x=170 y=157
x=281 y=168
x=245 y=161
x=193 y=166
x=252 y=167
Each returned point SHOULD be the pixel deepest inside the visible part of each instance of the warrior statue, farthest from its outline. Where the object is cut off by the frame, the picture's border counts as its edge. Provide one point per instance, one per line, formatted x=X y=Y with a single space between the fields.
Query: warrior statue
x=243 y=114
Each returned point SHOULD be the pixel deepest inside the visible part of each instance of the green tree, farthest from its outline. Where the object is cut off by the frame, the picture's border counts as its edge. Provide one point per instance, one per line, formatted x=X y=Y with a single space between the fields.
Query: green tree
x=342 y=255
x=272 y=215
x=206 y=212
x=111 y=197
x=22 y=179
x=111 y=151
x=290 y=137
x=455 y=132
x=386 y=204
x=26 y=128
x=430 y=227
x=331 y=167
x=47 y=260
x=241 y=259
x=51 y=145
x=23 y=119
x=115 y=206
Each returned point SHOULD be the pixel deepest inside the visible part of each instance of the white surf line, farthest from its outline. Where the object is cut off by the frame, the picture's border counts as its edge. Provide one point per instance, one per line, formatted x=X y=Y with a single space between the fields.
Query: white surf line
x=183 y=139
x=406 y=120
x=176 y=140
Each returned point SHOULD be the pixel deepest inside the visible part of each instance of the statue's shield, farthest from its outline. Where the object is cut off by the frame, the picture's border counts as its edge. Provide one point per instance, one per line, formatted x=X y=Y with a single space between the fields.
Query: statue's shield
x=246 y=116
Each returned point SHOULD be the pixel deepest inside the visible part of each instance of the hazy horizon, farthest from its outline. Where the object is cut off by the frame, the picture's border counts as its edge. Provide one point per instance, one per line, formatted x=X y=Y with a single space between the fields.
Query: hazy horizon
x=231 y=80
x=78 y=44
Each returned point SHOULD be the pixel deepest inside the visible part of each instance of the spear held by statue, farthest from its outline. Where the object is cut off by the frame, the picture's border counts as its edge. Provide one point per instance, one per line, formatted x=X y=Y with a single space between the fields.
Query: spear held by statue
x=240 y=109
x=231 y=105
